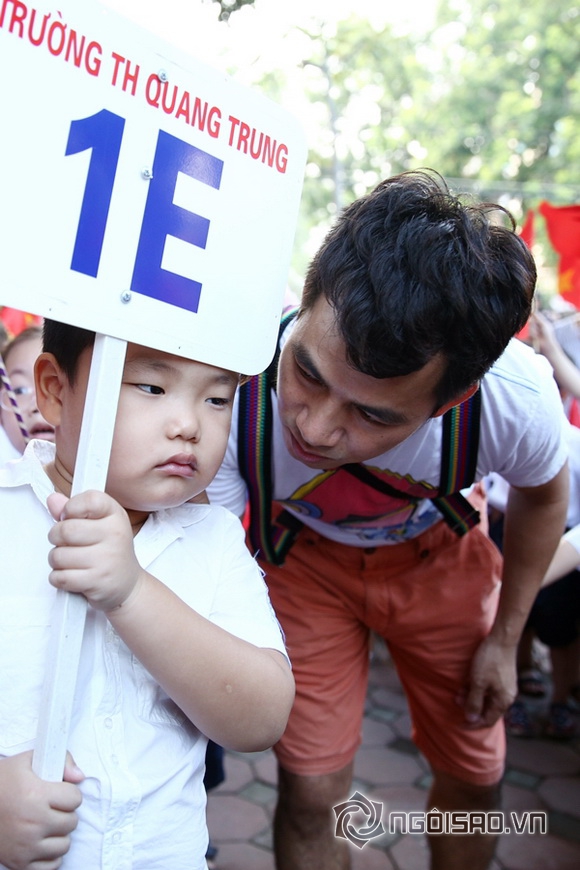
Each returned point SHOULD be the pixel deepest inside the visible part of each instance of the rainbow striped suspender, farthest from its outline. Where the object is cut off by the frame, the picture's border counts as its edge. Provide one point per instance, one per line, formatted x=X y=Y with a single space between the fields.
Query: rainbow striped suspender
x=273 y=539
x=458 y=464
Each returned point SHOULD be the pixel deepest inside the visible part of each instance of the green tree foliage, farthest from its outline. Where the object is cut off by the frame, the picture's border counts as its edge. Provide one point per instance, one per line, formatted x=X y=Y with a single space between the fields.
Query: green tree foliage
x=489 y=96
x=363 y=78
x=503 y=103
x=359 y=81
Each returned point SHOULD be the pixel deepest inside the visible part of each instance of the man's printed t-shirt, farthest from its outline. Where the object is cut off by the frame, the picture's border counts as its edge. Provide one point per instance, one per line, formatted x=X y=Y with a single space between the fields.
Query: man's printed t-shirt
x=520 y=438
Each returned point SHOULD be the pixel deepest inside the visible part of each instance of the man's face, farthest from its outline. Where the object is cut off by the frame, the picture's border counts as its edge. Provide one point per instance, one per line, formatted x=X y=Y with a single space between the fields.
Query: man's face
x=331 y=413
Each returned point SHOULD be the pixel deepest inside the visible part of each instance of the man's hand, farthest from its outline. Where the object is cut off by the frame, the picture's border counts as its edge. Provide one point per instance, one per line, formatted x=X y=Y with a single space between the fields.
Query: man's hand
x=36 y=817
x=542 y=334
x=493 y=684
x=93 y=549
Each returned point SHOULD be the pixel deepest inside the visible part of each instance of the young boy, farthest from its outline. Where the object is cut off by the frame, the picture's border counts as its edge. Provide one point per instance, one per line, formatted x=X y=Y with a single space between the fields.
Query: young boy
x=190 y=650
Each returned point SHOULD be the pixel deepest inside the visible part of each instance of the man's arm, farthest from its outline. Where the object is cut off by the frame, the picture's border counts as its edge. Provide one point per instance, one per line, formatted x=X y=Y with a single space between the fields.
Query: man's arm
x=566 y=372
x=534 y=523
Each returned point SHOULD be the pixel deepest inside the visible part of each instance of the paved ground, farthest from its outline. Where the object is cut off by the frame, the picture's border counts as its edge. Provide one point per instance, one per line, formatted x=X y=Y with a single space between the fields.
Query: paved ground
x=542 y=775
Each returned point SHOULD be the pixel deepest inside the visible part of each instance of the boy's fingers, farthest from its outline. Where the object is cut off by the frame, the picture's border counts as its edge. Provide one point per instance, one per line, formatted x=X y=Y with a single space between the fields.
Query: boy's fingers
x=66 y=799
x=55 y=503
x=72 y=772
x=73 y=533
x=91 y=504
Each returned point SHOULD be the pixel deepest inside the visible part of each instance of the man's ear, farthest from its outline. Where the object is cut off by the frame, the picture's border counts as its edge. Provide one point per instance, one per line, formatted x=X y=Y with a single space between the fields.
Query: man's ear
x=457 y=401
x=49 y=380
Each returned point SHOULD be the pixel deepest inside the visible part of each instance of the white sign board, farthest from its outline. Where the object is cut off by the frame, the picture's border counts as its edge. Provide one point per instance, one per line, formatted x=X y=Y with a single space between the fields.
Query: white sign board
x=147 y=198
x=144 y=195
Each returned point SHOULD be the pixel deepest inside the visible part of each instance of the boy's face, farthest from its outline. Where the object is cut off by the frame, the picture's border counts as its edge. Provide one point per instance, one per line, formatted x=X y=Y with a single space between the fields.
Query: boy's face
x=20 y=371
x=171 y=432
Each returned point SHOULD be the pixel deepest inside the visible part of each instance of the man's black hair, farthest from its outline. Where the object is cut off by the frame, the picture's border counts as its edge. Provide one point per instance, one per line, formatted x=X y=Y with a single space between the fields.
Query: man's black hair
x=67 y=344
x=412 y=272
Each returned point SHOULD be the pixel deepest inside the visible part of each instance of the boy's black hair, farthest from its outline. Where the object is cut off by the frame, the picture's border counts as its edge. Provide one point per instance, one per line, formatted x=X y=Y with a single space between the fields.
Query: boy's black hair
x=411 y=272
x=67 y=344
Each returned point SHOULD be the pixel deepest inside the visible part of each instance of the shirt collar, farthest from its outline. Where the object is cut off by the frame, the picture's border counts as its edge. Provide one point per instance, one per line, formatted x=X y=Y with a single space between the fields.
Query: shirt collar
x=28 y=470
x=161 y=529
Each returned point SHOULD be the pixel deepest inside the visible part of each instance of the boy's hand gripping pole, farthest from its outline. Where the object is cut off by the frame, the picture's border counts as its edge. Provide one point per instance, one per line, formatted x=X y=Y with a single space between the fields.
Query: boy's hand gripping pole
x=69 y=612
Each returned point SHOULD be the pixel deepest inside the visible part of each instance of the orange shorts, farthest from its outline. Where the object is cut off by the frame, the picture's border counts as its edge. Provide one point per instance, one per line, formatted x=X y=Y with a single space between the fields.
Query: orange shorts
x=432 y=599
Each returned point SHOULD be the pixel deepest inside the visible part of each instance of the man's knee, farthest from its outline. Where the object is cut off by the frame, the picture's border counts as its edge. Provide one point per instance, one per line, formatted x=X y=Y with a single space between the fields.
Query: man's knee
x=311 y=796
x=452 y=793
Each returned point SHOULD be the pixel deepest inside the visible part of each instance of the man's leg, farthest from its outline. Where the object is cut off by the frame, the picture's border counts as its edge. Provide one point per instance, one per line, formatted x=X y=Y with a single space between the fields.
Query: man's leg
x=442 y=609
x=461 y=851
x=304 y=823
x=319 y=598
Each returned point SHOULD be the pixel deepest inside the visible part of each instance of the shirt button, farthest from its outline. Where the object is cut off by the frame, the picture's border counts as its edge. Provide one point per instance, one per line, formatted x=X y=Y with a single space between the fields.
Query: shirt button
x=116 y=838
x=108 y=722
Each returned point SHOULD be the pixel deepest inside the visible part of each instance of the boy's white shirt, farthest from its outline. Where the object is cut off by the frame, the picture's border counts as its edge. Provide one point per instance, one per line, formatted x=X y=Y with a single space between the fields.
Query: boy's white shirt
x=7 y=449
x=143 y=796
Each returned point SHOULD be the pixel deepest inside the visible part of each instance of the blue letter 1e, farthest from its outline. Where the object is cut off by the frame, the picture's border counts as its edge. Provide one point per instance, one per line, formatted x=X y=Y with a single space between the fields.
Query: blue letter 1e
x=102 y=133
x=162 y=218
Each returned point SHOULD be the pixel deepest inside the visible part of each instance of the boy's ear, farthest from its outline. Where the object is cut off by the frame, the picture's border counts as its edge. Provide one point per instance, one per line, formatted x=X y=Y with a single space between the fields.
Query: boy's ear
x=462 y=398
x=49 y=380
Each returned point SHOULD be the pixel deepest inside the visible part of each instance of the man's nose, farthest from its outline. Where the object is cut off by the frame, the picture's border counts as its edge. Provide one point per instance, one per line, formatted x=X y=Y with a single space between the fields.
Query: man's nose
x=319 y=424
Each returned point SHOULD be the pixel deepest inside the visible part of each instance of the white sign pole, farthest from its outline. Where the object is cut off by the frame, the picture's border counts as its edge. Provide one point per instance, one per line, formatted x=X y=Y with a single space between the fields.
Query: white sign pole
x=70 y=610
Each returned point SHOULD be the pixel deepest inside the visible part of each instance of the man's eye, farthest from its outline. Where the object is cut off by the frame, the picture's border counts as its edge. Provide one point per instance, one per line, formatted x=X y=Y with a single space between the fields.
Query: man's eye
x=370 y=418
x=306 y=375
x=152 y=389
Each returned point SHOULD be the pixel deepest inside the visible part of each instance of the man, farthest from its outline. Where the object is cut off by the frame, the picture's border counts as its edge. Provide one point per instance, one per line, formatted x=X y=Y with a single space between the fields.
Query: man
x=407 y=306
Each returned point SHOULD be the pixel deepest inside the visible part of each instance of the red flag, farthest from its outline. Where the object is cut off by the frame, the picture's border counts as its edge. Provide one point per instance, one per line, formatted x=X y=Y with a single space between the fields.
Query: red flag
x=15 y=321
x=527 y=231
x=563 y=226
x=574 y=413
